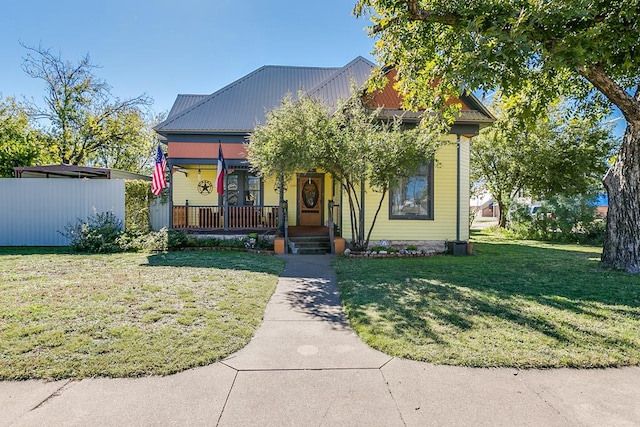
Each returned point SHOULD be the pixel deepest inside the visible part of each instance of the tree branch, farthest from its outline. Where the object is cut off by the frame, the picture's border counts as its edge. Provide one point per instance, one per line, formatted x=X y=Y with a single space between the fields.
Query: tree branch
x=375 y=217
x=417 y=13
x=628 y=105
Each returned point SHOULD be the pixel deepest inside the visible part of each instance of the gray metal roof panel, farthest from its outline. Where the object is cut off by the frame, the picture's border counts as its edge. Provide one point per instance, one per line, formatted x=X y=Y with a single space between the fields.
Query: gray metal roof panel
x=183 y=102
x=242 y=104
x=338 y=85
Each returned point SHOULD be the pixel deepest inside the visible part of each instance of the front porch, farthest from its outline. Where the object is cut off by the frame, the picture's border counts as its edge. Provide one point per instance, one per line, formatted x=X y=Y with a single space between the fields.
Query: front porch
x=224 y=218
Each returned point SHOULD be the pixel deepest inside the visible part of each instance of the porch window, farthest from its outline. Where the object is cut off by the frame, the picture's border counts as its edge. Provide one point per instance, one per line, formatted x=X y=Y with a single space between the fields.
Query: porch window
x=252 y=193
x=243 y=189
x=232 y=189
x=412 y=198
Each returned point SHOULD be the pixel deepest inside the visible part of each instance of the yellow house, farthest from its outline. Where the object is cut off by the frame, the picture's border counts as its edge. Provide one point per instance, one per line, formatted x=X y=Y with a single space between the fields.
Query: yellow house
x=427 y=210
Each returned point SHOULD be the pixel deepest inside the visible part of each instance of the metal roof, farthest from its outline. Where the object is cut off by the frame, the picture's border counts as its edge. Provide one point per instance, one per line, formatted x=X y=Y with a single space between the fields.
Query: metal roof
x=73 y=171
x=339 y=85
x=240 y=106
x=183 y=102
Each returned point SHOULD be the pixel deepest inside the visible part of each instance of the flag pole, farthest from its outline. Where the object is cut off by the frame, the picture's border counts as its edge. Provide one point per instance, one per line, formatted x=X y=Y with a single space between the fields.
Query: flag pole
x=221 y=184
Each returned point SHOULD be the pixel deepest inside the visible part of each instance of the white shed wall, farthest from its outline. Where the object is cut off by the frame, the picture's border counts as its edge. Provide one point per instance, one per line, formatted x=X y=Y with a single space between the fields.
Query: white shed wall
x=34 y=210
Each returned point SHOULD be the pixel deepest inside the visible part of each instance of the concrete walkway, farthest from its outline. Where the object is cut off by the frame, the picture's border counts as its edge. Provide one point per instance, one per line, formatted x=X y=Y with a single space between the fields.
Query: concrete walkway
x=306 y=367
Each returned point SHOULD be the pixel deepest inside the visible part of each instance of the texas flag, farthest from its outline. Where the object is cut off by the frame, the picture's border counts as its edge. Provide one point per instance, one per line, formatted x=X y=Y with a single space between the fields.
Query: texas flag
x=222 y=169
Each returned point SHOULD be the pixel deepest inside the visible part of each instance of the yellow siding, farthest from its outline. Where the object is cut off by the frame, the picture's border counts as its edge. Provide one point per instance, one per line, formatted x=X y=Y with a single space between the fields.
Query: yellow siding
x=270 y=196
x=465 y=186
x=186 y=187
x=291 y=197
x=443 y=226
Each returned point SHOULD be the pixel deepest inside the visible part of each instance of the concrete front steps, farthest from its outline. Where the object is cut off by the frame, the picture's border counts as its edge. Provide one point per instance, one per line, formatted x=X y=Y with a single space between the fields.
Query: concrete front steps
x=310 y=244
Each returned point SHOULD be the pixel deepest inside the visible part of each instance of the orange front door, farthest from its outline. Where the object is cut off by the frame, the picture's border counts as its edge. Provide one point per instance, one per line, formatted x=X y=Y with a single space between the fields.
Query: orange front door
x=310 y=199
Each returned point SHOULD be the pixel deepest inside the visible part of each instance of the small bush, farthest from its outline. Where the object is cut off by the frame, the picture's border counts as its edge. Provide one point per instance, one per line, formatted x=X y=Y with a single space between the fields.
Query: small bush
x=379 y=248
x=264 y=244
x=136 y=206
x=561 y=219
x=99 y=233
x=180 y=239
x=149 y=242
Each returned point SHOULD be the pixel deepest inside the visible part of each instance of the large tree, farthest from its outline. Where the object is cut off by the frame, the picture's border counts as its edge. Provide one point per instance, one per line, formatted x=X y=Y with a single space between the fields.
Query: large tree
x=352 y=144
x=20 y=143
x=129 y=140
x=561 y=152
x=79 y=109
x=576 y=47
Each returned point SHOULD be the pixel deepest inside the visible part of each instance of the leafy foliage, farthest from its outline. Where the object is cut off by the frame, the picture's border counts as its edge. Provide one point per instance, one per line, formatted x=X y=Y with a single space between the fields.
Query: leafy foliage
x=127 y=143
x=570 y=219
x=99 y=233
x=352 y=144
x=180 y=240
x=283 y=144
x=155 y=241
x=20 y=144
x=136 y=206
x=561 y=152
x=547 y=47
x=83 y=120
x=578 y=48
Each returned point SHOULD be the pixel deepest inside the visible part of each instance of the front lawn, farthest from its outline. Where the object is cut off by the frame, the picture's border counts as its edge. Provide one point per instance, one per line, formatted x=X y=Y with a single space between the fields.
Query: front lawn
x=514 y=303
x=119 y=315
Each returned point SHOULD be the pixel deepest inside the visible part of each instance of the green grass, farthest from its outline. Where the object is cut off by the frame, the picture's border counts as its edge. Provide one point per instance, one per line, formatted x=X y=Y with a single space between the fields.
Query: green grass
x=120 y=315
x=514 y=303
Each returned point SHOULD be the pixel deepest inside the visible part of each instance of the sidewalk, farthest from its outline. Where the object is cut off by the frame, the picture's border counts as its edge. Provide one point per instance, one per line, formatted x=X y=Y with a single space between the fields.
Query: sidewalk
x=306 y=367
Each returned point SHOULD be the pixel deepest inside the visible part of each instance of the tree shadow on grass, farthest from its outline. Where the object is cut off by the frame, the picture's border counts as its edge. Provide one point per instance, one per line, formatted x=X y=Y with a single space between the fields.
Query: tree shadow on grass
x=36 y=250
x=232 y=260
x=554 y=292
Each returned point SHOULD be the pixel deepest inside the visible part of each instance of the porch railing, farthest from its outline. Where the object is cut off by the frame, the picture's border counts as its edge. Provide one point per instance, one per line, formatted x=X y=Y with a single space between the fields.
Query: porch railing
x=213 y=217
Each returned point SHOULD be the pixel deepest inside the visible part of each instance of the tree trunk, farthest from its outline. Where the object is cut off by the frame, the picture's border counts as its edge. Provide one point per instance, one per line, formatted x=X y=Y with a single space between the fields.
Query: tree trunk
x=502 y=209
x=375 y=216
x=622 y=182
x=502 y=214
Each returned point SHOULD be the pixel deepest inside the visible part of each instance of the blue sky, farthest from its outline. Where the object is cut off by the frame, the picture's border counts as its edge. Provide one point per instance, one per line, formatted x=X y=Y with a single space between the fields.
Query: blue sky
x=163 y=48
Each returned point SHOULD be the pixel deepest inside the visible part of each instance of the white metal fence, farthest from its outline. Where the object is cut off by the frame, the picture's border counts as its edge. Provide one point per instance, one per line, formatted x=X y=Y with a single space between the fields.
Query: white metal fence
x=33 y=211
x=158 y=214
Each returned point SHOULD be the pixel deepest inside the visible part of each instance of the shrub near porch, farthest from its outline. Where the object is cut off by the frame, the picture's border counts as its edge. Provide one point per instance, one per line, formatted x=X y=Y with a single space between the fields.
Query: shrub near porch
x=516 y=303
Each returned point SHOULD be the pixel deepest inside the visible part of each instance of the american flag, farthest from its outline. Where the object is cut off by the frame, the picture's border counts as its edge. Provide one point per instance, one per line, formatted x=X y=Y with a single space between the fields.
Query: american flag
x=159 y=181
